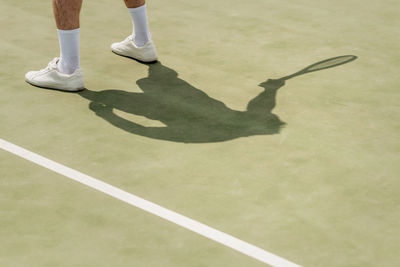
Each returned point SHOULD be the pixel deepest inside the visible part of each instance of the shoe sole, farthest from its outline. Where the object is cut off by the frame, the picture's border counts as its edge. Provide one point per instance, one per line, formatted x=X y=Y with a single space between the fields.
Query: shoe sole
x=138 y=60
x=57 y=89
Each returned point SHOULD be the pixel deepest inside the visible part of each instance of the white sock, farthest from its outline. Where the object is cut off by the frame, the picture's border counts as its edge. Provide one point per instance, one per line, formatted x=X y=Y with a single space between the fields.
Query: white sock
x=140 y=25
x=69 y=50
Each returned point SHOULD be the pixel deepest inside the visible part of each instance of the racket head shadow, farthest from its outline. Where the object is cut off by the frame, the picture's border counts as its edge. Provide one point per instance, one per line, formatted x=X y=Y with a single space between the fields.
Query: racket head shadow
x=324 y=64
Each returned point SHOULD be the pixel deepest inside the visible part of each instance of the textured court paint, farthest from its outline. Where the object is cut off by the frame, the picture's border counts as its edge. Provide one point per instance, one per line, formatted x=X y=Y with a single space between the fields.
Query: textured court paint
x=199 y=228
x=322 y=192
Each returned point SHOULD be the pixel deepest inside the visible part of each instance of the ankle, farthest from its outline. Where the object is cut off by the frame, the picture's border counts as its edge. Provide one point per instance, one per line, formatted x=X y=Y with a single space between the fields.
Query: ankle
x=140 y=42
x=66 y=68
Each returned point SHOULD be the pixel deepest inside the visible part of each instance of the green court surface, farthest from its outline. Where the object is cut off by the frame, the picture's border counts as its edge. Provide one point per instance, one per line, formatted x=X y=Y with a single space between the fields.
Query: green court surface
x=307 y=169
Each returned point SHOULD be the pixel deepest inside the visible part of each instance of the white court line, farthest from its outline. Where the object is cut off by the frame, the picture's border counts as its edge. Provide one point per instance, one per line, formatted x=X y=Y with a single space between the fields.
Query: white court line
x=197 y=227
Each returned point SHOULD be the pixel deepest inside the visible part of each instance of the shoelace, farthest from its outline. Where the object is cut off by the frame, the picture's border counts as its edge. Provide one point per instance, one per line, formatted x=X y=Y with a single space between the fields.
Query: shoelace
x=129 y=38
x=52 y=64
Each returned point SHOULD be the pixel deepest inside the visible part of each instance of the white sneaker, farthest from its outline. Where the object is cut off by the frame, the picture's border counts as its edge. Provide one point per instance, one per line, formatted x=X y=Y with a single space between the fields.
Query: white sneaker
x=50 y=77
x=128 y=48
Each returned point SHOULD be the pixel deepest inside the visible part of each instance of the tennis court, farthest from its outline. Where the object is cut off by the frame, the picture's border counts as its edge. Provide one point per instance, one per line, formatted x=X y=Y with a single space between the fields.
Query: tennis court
x=305 y=168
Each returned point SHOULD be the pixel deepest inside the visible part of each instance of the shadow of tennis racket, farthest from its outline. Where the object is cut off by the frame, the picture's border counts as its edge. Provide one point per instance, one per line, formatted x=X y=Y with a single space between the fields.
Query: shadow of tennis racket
x=321 y=65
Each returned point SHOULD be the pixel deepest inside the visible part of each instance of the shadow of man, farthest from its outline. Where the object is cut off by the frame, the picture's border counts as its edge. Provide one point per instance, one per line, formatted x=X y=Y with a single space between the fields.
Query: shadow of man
x=190 y=115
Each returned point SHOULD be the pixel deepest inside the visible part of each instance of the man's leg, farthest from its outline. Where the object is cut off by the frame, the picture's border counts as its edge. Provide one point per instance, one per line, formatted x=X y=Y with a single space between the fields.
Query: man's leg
x=137 y=9
x=66 y=14
x=64 y=73
x=139 y=45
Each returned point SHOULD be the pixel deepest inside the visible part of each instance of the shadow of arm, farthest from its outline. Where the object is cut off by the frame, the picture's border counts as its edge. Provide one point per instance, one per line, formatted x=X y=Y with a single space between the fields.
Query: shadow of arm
x=106 y=112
